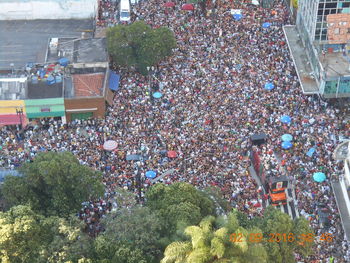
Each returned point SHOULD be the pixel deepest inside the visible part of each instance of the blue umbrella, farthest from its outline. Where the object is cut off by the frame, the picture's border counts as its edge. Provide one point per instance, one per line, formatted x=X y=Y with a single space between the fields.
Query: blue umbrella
x=287 y=137
x=310 y=152
x=133 y=157
x=269 y=86
x=157 y=95
x=266 y=25
x=286 y=119
x=287 y=145
x=151 y=174
x=237 y=17
x=319 y=177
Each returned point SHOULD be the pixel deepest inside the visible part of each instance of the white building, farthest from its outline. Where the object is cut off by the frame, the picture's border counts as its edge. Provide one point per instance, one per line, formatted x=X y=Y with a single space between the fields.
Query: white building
x=341 y=187
x=47 y=9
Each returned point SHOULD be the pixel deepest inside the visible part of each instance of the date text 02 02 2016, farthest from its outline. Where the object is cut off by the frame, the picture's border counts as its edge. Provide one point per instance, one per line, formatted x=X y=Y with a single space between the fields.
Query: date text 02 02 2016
x=280 y=237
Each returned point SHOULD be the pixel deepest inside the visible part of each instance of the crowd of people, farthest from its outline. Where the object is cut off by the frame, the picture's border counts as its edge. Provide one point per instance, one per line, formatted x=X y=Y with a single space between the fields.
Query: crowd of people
x=213 y=101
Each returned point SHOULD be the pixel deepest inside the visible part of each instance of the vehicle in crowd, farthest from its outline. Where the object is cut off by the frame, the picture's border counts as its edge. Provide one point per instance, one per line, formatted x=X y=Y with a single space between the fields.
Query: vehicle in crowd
x=124 y=11
x=275 y=181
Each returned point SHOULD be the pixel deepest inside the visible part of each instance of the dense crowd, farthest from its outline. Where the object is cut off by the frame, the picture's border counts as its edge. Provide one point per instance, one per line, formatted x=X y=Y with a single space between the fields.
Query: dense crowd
x=213 y=101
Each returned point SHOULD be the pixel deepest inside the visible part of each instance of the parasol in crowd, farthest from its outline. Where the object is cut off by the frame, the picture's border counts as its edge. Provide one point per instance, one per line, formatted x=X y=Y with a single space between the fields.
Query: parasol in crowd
x=266 y=25
x=287 y=137
x=110 y=145
x=169 y=4
x=188 y=7
x=151 y=174
x=286 y=145
x=319 y=177
x=157 y=95
x=269 y=86
x=286 y=119
x=172 y=154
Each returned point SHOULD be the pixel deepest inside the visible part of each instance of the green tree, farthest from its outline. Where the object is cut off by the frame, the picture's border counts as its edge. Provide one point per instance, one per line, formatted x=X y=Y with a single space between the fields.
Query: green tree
x=136 y=228
x=54 y=184
x=211 y=244
x=138 y=45
x=178 y=205
x=66 y=241
x=108 y=250
x=26 y=236
x=275 y=222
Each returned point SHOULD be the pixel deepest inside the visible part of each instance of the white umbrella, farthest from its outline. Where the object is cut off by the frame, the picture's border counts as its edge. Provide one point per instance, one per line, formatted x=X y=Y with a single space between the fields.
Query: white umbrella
x=110 y=145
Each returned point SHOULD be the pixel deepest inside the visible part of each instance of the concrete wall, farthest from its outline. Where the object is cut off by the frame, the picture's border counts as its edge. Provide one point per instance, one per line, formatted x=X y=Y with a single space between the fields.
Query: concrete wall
x=47 y=9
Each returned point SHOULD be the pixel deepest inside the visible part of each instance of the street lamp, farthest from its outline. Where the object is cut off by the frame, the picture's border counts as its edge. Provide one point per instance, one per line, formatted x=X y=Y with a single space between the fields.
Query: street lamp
x=138 y=182
x=19 y=112
x=150 y=72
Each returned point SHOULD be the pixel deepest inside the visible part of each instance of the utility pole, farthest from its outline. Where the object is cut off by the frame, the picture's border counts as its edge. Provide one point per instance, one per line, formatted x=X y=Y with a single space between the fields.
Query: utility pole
x=19 y=112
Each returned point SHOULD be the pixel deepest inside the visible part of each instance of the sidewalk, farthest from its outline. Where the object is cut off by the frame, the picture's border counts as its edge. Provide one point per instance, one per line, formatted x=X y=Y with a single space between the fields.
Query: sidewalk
x=343 y=211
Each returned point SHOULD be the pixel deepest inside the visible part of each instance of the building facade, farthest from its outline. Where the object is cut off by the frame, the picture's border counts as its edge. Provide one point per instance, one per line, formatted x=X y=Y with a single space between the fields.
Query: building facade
x=323 y=28
x=47 y=9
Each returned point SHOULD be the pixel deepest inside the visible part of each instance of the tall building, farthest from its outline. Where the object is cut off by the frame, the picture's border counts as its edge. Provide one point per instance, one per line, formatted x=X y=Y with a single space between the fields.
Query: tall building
x=313 y=14
x=322 y=31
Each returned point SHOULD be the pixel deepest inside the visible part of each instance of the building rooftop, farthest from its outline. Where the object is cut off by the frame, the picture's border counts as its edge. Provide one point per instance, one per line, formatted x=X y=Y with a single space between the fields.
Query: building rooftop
x=42 y=90
x=13 y=88
x=77 y=50
x=88 y=85
x=24 y=41
x=91 y=50
x=302 y=66
x=335 y=64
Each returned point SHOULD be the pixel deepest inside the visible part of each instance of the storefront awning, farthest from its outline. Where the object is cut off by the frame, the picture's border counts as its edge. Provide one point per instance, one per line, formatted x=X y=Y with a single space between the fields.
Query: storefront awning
x=114 y=81
x=10 y=119
x=10 y=106
x=42 y=108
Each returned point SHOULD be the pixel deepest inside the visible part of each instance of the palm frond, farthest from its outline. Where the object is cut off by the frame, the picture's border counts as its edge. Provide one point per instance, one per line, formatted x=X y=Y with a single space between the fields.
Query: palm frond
x=197 y=235
x=176 y=252
x=217 y=247
x=200 y=255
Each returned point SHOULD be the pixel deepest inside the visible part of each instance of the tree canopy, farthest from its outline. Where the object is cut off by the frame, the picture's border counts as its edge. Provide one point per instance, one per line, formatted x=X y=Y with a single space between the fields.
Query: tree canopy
x=138 y=45
x=54 y=184
x=134 y=231
x=178 y=205
x=26 y=236
x=211 y=241
x=211 y=244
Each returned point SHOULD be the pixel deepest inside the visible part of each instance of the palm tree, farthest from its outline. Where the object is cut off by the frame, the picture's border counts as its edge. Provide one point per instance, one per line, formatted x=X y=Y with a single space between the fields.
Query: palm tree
x=209 y=245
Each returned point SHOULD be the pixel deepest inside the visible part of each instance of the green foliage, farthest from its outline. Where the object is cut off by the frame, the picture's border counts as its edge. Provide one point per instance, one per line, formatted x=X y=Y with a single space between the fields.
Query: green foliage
x=178 y=204
x=209 y=244
x=26 y=236
x=124 y=198
x=54 y=184
x=211 y=241
x=111 y=251
x=138 y=45
x=216 y=195
x=302 y=227
x=136 y=228
x=274 y=221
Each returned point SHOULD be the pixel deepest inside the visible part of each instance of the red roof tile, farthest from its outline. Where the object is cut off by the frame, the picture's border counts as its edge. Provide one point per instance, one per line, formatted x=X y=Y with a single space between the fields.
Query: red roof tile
x=88 y=85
